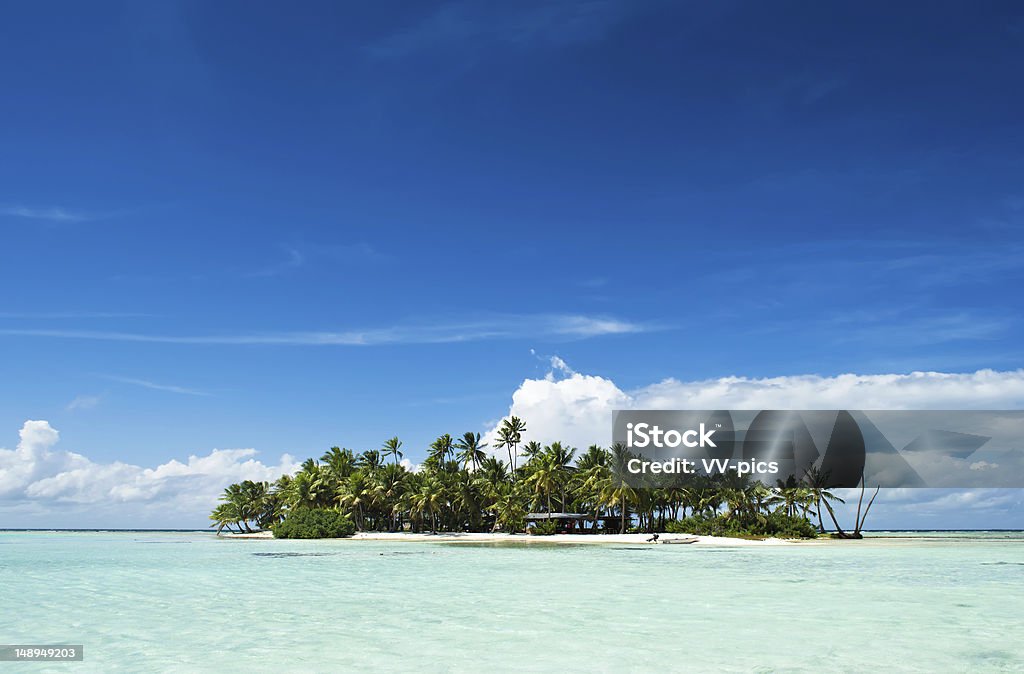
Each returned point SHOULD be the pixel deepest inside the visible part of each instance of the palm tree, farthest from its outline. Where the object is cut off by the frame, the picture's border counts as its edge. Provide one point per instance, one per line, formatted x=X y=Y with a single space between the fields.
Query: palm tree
x=561 y=457
x=544 y=478
x=392 y=447
x=616 y=491
x=370 y=461
x=355 y=496
x=531 y=450
x=439 y=450
x=510 y=511
x=224 y=515
x=466 y=498
x=338 y=464
x=591 y=475
x=480 y=493
x=471 y=450
x=817 y=481
x=430 y=500
x=509 y=436
x=390 y=484
x=790 y=496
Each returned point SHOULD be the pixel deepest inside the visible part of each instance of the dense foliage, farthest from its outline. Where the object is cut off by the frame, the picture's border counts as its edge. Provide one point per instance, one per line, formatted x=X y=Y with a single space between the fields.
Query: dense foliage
x=314 y=523
x=460 y=487
x=774 y=524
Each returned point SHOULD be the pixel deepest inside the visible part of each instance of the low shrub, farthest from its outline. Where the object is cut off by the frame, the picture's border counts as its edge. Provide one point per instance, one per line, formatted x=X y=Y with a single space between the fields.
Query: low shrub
x=314 y=523
x=544 y=528
x=776 y=524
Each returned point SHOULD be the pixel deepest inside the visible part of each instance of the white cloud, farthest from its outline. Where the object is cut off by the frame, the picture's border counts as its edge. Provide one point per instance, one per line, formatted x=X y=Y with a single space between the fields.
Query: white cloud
x=577 y=408
x=180 y=492
x=43 y=486
x=145 y=383
x=83 y=402
x=410 y=466
x=54 y=214
x=495 y=326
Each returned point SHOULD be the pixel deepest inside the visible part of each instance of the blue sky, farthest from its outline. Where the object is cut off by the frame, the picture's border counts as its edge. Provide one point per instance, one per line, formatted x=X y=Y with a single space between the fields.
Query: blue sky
x=236 y=225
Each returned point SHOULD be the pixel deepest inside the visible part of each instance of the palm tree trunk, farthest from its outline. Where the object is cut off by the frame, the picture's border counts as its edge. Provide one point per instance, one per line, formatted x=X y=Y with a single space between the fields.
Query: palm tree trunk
x=860 y=523
x=839 y=529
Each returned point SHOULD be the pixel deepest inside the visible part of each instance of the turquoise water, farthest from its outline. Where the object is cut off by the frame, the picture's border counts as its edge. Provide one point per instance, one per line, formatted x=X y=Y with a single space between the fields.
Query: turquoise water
x=189 y=602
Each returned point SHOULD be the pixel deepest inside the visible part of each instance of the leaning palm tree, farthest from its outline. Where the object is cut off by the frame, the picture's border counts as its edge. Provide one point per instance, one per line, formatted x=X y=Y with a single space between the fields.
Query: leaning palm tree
x=392 y=447
x=818 y=482
x=235 y=495
x=225 y=515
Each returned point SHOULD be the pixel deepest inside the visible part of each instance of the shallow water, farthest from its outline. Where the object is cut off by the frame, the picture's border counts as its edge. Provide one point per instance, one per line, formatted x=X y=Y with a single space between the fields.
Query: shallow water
x=190 y=602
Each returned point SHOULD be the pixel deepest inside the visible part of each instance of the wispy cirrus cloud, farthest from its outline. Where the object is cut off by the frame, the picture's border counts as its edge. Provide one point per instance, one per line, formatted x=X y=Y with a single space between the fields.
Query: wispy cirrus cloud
x=504 y=326
x=145 y=383
x=523 y=25
x=303 y=254
x=61 y=315
x=294 y=260
x=83 y=402
x=49 y=213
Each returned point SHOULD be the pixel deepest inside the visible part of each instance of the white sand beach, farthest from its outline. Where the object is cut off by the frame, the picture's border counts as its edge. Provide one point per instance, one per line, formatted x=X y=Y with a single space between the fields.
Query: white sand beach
x=574 y=539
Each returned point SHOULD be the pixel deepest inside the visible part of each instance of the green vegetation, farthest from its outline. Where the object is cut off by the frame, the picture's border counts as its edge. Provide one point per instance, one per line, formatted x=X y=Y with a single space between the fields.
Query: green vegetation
x=776 y=524
x=314 y=523
x=460 y=487
x=544 y=528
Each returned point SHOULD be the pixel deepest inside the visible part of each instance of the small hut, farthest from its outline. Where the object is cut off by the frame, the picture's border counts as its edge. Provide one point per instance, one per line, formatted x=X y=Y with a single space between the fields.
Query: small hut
x=567 y=523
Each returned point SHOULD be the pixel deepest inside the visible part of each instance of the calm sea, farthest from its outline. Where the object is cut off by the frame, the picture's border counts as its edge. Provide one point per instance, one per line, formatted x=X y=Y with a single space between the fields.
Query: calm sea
x=189 y=602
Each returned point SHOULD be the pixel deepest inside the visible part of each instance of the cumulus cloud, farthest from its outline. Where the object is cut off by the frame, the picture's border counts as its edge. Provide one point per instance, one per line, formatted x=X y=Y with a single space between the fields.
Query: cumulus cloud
x=577 y=408
x=410 y=466
x=183 y=492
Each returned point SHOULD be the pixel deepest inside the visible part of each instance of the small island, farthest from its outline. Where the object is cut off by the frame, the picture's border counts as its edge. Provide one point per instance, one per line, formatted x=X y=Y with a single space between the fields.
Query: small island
x=542 y=490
